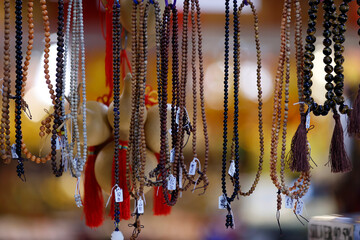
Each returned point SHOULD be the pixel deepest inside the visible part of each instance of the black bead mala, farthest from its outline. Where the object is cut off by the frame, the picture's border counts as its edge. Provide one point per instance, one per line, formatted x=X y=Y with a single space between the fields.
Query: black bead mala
x=116 y=91
x=333 y=25
x=228 y=199
x=58 y=171
x=18 y=86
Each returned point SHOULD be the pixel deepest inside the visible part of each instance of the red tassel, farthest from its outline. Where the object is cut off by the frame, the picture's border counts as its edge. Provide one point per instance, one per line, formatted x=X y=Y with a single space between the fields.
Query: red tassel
x=125 y=205
x=160 y=207
x=298 y=156
x=354 y=118
x=338 y=158
x=93 y=198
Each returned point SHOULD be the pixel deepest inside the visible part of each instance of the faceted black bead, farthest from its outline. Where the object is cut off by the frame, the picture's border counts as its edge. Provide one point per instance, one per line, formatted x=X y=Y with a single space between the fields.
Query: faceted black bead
x=308 y=84
x=338 y=78
x=329 y=86
x=310 y=47
x=339 y=69
x=327 y=51
x=310 y=39
x=328 y=69
x=327 y=33
x=327 y=60
x=307 y=92
x=326 y=107
x=327 y=42
x=329 y=95
x=338 y=91
x=330 y=103
x=342 y=18
x=311 y=31
x=309 y=55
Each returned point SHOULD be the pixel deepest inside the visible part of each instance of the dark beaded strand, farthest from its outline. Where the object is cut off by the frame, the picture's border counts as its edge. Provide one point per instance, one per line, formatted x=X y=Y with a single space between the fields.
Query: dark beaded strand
x=18 y=86
x=58 y=171
x=236 y=188
x=116 y=94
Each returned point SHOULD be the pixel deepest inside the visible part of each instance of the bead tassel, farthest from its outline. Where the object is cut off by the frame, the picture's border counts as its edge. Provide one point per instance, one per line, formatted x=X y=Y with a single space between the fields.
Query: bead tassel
x=93 y=198
x=338 y=158
x=298 y=157
x=125 y=205
x=354 y=118
x=160 y=207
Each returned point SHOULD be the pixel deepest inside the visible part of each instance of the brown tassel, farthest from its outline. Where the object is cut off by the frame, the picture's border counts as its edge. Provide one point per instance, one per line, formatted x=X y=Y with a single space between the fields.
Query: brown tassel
x=354 y=118
x=338 y=158
x=298 y=156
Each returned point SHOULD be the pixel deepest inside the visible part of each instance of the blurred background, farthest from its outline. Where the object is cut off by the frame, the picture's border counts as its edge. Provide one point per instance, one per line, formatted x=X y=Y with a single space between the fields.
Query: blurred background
x=43 y=207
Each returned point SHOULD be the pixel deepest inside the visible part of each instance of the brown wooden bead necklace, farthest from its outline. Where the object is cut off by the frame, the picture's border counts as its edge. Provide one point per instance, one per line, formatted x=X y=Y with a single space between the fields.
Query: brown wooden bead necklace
x=169 y=163
x=196 y=32
x=301 y=186
x=5 y=144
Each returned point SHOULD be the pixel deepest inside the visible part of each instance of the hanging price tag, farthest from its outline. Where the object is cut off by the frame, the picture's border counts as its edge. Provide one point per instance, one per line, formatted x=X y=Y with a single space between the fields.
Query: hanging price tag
x=140 y=206
x=222 y=202
x=289 y=202
x=172 y=155
x=308 y=120
x=178 y=116
x=171 y=182
x=192 y=168
x=57 y=143
x=13 y=151
x=119 y=195
x=299 y=207
x=231 y=171
x=180 y=178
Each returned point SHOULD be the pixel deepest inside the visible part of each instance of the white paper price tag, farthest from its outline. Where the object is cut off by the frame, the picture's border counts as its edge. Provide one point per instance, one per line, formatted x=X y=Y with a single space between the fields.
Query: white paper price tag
x=13 y=151
x=289 y=202
x=119 y=195
x=231 y=171
x=172 y=155
x=57 y=144
x=140 y=206
x=299 y=207
x=222 y=202
x=171 y=182
x=307 y=120
x=177 y=116
x=180 y=178
x=192 y=168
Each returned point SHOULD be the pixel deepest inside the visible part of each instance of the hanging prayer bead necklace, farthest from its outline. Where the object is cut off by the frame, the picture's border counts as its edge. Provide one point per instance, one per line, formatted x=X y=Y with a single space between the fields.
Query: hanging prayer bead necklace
x=196 y=30
x=18 y=86
x=59 y=81
x=300 y=186
x=169 y=178
x=226 y=200
x=5 y=144
x=333 y=24
x=116 y=89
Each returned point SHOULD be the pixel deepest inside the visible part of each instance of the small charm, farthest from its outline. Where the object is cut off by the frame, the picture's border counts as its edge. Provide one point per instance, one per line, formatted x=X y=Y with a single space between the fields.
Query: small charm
x=78 y=200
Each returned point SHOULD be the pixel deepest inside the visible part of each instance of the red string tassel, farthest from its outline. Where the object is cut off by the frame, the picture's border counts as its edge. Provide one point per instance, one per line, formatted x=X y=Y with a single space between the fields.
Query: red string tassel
x=160 y=207
x=354 y=118
x=125 y=205
x=338 y=158
x=298 y=156
x=93 y=198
